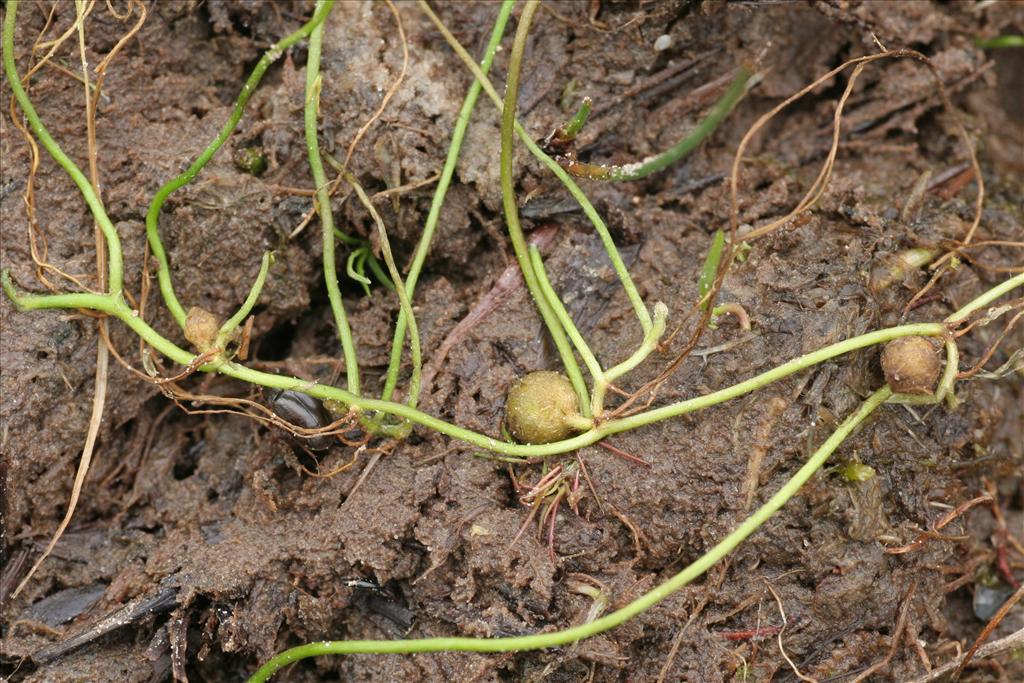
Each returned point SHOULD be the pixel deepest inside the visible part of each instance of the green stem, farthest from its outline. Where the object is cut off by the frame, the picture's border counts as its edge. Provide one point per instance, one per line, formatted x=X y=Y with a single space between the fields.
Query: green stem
x=378 y=272
x=998 y=42
x=115 y=266
x=985 y=298
x=710 y=270
x=347 y=239
x=115 y=306
x=355 y=264
x=643 y=315
x=153 y=214
x=560 y=325
x=776 y=373
x=354 y=267
x=323 y=200
x=227 y=330
x=508 y=200
x=609 y=621
x=150 y=336
x=573 y=126
x=648 y=345
x=564 y=319
x=403 y=296
x=670 y=156
x=34 y=302
x=430 y=226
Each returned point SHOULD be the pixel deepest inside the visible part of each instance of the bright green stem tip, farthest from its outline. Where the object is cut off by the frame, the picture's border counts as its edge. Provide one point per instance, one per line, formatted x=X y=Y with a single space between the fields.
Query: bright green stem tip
x=573 y=127
x=710 y=270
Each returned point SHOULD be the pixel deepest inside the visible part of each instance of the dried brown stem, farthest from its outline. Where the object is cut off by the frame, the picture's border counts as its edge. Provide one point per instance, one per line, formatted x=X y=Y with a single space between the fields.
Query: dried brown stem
x=897 y=636
x=987 y=631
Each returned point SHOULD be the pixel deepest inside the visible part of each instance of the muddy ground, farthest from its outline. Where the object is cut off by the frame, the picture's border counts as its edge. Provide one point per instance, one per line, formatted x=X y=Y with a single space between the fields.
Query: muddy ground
x=209 y=525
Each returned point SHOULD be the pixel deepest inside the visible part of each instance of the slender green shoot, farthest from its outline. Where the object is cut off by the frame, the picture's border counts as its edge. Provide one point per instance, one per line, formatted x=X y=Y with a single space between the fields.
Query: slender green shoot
x=710 y=270
x=985 y=298
x=35 y=302
x=568 y=131
x=999 y=42
x=609 y=621
x=355 y=265
x=323 y=200
x=377 y=270
x=434 y=214
x=648 y=345
x=515 y=230
x=601 y=378
x=350 y=240
x=643 y=315
x=396 y=277
x=115 y=266
x=362 y=255
x=642 y=169
x=227 y=330
x=153 y=214
x=115 y=306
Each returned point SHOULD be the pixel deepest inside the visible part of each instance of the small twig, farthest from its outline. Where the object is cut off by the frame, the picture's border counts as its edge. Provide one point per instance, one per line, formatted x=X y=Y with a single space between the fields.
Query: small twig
x=946 y=519
x=987 y=631
x=785 y=622
x=1002 y=537
x=340 y=468
x=953 y=185
x=639 y=537
x=407 y=187
x=754 y=634
x=897 y=636
x=623 y=454
x=991 y=349
x=678 y=640
x=363 y=476
x=1008 y=643
x=391 y=90
x=138 y=608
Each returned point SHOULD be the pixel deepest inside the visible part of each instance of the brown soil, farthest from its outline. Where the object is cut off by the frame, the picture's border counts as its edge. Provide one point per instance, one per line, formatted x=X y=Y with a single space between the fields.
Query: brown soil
x=241 y=554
